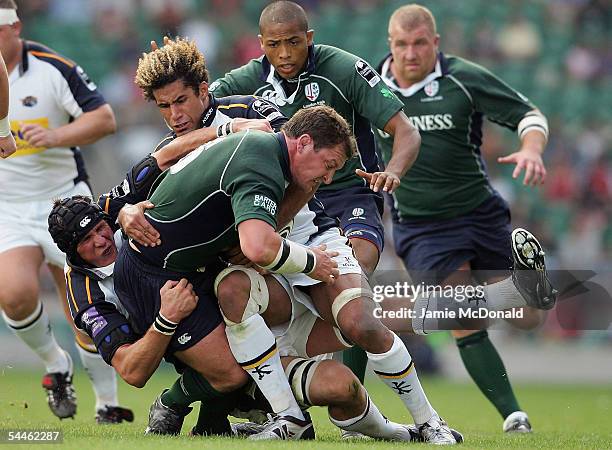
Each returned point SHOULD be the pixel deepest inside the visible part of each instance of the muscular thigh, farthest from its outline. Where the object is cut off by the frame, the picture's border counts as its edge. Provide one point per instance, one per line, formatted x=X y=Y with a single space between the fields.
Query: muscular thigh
x=19 y=274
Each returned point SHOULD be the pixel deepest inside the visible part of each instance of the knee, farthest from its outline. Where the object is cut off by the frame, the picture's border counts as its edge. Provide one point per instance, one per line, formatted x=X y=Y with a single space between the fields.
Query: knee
x=233 y=295
x=18 y=304
x=342 y=385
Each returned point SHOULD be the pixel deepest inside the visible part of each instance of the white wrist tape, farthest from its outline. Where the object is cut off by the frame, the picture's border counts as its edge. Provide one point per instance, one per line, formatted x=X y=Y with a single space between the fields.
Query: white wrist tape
x=292 y=258
x=533 y=121
x=225 y=129
x=5 y=127
x=164 y=326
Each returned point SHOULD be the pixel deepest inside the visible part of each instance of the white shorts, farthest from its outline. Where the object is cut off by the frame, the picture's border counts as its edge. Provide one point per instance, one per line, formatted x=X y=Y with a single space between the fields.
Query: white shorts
x=24 y=224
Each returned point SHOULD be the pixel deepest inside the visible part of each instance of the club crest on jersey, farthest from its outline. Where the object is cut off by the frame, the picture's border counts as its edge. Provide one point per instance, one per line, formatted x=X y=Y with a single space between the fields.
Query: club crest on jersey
x=358 y=212
x=432 y=88
x=312 y=91
x=29 y=101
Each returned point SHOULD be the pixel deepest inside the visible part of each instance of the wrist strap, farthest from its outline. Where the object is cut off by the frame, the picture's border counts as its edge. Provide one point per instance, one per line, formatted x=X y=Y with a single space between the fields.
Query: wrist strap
x=225 y=129
x=163 y=325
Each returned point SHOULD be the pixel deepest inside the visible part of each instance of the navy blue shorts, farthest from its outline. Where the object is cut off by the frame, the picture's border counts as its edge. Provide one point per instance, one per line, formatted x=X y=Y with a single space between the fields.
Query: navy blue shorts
x=137 y=284
x=433 y=249
x=359 y=211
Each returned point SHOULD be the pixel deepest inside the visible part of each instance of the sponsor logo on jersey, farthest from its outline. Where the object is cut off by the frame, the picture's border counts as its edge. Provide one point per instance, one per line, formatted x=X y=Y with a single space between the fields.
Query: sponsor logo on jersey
x=29 y=101
x=358 y=212
x=183 y=339
x=387 y=93
x=83 y=223
x=432 y=122
x=94 y=320
x=432 y=88
x=274 y=97
x=367 y=73
x=264 y=202
x=90 y=84
x=24 y=147
x=312 y=91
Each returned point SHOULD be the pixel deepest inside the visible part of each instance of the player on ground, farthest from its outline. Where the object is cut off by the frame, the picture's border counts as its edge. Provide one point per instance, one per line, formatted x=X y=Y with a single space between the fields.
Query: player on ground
x=450 y=225
x=54 y=108
x=7 y=142
x=91 y=252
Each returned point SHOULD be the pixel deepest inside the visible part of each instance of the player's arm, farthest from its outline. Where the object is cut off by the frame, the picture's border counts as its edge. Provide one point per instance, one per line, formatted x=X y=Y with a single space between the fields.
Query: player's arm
x=7 y=141
x=136 y=362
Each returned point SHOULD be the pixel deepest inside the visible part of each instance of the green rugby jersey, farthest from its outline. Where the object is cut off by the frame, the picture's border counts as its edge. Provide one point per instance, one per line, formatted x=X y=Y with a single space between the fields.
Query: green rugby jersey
x=200 y=200
x=334 y=78
x=449 y=177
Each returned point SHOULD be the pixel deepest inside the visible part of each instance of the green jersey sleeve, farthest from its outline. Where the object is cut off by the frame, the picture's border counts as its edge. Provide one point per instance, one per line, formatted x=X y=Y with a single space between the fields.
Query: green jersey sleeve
x=492 y=96
x=241 y=81
x=254 y=181
x=365 y=89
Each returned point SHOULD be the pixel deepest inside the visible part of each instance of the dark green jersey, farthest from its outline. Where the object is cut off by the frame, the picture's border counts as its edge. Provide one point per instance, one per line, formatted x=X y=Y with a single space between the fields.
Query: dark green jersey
x=448 y=107
x=334 y=78
x=201 y=199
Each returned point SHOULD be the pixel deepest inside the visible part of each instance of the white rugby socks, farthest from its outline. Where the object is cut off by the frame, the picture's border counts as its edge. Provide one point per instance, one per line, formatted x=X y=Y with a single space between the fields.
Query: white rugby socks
x=254 y=347
x=102 y=376
x=396 y=369
x=35 y=331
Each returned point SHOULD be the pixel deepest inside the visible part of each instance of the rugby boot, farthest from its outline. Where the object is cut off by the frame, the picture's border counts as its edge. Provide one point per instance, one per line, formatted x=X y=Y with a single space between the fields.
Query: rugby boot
x=113 y=414
x=286 y=428
x=60 y=392
x=164 y=419
x=436 y=431
x=517 y=422
x=529 y=273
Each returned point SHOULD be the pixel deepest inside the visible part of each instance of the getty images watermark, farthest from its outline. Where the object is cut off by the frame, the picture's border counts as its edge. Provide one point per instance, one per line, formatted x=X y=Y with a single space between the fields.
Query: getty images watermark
x=583 y=300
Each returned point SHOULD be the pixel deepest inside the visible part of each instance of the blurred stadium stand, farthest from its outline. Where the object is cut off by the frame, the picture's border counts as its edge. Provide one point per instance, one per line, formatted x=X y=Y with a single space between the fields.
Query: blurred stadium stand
x=557 y=53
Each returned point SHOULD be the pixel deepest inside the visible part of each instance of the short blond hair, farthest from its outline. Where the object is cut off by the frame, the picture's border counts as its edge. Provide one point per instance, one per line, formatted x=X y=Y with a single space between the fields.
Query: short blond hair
x=178 y=59
x=411 y=16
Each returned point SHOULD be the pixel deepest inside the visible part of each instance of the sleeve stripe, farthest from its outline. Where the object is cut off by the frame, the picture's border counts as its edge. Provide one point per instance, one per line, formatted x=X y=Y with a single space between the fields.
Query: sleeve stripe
x=87 y=289
x=51 y=55
x=233 y=105
x=107 y=205
x=69 y=278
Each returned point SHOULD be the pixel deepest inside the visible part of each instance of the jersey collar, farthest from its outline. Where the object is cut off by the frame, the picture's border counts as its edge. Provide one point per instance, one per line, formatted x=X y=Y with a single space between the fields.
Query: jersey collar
x=387 y=76
x=269 y=75
x=284 y=156
x=208 y=116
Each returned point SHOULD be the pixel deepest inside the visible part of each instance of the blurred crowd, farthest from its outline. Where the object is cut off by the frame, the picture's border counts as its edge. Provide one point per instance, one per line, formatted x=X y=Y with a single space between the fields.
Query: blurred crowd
x=555 y=52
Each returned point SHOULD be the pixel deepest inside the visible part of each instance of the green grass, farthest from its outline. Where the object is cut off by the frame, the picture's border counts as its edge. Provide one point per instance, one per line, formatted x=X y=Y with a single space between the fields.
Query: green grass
x=564 y=416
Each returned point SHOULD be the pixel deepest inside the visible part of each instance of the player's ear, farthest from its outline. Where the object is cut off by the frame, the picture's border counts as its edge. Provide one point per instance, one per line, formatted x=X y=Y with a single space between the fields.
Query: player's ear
x=203 y=90
x=309 y=37
x=261 y=44
x=306 y=143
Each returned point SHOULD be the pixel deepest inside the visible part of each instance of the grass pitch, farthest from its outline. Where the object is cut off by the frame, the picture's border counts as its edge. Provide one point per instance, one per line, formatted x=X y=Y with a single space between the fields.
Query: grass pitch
x=563 y=416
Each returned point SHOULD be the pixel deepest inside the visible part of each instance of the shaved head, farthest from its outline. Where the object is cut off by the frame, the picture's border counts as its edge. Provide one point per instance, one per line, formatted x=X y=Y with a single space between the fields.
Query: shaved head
x=283 y=12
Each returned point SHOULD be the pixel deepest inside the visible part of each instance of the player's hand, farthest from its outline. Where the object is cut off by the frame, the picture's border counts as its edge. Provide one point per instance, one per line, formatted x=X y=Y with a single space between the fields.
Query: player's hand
x=326 y=269
x=154 y=44
x=7 y=146
x=387 y=181
x=531 y=161
x=133 y=223
x=241 y=124
x=38 y=136
x=178 y=300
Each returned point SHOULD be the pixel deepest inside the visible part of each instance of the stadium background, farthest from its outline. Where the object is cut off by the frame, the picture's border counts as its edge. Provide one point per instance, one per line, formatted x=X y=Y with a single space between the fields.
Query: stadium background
x=558 y=53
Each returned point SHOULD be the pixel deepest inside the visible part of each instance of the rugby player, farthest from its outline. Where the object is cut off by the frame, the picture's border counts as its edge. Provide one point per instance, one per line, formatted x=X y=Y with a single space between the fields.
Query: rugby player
x=54 y=108
x=449 y=225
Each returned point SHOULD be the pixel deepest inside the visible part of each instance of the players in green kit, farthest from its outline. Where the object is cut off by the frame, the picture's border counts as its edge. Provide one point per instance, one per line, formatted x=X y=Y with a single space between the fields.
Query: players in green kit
x=294 y=74
x=449 y=224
